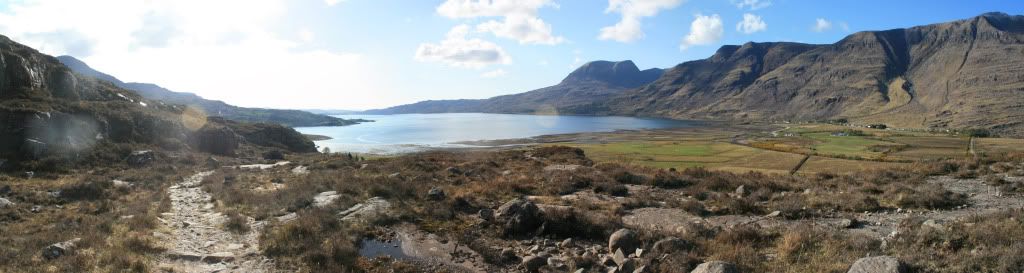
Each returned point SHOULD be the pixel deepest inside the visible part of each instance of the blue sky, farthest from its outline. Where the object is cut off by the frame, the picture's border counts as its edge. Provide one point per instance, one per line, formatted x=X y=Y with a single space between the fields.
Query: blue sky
x=360 y=54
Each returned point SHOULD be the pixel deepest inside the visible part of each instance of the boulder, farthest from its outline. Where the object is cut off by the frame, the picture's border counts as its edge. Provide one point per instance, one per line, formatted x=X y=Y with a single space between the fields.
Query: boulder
x=741 y=191
x=878 y=264
x=520 y=216
x=140 y=158
x=670 y=245
x=60 y=249
x=624 y=239
x=435 y=194
x=34 y=148
x=534 y=263
x=486 y=214
x=273 y=155
x=715 y=267
x=4 y=203
x=453 y=170
x=217 y=140
x=508 y=254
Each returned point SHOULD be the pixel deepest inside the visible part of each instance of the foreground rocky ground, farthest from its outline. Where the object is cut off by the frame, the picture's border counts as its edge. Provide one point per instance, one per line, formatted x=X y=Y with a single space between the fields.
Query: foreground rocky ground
x=545 y=209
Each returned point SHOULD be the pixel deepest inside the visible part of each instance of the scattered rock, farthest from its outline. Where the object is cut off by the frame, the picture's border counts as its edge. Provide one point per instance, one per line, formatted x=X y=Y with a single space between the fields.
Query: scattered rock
x=140 y=158
x=846 y=223
x=878 y=264
x=567 y=243
x=212 y=162
x=520 y=216
x=557 y=263
x=395 y=175
x=36 y=209
x=619 y=257
x=715 y=267
x=773 y=214
x=300 y=170
x=435 y=194
x=30 y=174
x=324 y=199
x=624 y=239
x=933 y=224
x=486 y=214
x=741 y=191
x=453 y=170
x=60 y=249
x=122 y=184
x=4 y=203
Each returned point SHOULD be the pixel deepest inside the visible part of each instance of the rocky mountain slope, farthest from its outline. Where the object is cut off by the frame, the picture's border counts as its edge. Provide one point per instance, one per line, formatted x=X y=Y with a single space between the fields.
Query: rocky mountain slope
x=578 y=93
x=50 y=115
x=295 y=118
x=962 y=74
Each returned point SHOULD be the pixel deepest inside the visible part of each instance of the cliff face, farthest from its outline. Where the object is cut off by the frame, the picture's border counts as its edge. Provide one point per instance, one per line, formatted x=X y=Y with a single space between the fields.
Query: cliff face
x=961 y=74
x=584 y=91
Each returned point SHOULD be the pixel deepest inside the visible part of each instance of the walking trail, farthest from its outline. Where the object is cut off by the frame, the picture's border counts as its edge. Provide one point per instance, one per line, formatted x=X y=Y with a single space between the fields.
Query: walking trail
x=198 y=242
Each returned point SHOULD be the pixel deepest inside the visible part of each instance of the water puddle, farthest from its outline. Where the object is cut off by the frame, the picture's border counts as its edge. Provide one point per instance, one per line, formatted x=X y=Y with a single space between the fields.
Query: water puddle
x=372 y=248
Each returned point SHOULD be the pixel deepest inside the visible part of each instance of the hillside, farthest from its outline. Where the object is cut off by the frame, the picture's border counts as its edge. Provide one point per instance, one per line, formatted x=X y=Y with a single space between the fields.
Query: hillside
x=52 y=117
x=962 y=74
x=578 y=93
x=293 y=118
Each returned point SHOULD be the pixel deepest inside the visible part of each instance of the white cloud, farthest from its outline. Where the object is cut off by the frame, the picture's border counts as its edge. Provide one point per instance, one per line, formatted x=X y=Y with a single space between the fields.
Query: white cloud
x=628 y=28
x=752 y=4
x=456 y=50
x=704 y=30
x=751 y=23
x=306 y=35
x=188 y=45
x=333 y=2
x=821 y=25
x=519 y=21
x=494 y=73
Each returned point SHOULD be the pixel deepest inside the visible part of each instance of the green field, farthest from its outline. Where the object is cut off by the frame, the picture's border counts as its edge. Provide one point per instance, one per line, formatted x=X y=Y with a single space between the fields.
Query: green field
x=849 y=146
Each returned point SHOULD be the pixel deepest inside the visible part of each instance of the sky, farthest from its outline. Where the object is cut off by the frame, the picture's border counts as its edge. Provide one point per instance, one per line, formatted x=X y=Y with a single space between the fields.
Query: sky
x=367 y=54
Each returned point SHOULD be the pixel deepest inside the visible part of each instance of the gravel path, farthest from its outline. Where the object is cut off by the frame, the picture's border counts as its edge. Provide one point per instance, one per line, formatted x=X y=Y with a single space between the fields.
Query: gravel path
x=198 y=241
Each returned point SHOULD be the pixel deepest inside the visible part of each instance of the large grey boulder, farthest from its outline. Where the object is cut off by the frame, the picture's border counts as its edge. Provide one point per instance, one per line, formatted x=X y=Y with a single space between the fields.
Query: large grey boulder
x=624 y=239
x=670 y=245
x=534 y=263
x=520 y=216
x=878 y=264
x=60 y=249
x=715 y=267
x=5 y=203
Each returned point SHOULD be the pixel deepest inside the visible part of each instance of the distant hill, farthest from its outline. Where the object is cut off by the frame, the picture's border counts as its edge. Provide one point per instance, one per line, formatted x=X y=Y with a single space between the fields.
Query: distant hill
x=294 y=118
x=961 y=74
x=582 y=92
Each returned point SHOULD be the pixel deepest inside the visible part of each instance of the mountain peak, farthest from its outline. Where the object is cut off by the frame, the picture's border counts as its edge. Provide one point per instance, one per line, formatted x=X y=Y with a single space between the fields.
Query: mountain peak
x=622 y=73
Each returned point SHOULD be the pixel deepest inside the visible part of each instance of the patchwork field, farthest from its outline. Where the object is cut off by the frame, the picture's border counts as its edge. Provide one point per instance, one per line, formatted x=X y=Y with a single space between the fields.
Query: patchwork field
x=779 y=149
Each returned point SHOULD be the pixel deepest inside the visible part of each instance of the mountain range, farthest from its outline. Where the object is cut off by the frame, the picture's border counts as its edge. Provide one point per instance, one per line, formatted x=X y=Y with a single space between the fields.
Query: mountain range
x=293 y=118
x=955 y=75
x=588 y=86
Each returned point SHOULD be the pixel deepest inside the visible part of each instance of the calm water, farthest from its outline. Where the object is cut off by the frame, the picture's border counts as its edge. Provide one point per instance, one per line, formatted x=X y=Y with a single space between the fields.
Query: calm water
x=414 y=132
